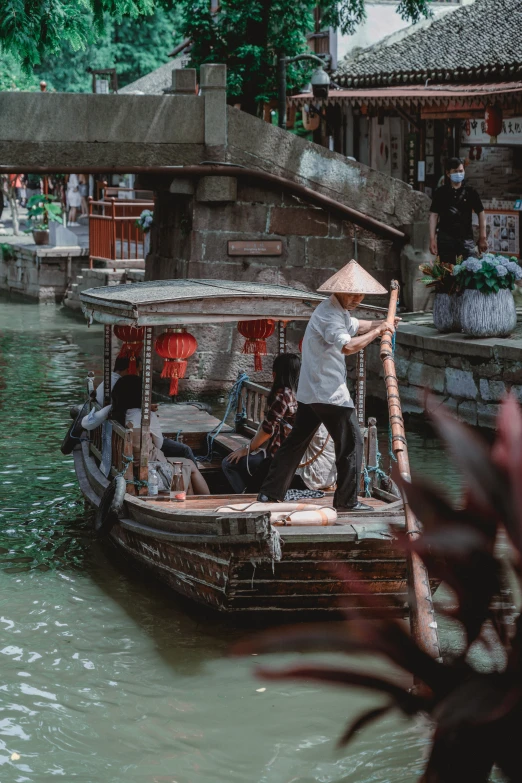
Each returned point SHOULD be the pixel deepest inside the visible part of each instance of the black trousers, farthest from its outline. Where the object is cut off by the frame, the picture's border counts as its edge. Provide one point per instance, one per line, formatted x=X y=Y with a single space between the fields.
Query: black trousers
x=173 y=448
x=450 y=248
x=345 y=432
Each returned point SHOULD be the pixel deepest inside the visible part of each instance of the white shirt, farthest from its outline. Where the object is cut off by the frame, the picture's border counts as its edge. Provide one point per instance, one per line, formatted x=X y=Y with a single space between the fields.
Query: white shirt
x=323 y=366
x=95 y=418
x=99 y=389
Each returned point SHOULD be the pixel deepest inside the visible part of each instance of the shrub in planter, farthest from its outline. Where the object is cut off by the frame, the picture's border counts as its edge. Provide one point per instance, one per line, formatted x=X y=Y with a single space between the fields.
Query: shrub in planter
x=446 y=304
x=41 y=210
x=488 y=308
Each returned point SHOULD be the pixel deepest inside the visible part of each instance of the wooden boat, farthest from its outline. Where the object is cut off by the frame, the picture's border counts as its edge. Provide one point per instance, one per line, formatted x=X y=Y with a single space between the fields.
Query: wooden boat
x=236 y=563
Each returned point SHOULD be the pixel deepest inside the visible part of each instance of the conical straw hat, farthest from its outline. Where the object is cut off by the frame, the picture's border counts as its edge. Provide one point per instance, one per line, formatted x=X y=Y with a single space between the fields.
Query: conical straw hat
x=352 y=279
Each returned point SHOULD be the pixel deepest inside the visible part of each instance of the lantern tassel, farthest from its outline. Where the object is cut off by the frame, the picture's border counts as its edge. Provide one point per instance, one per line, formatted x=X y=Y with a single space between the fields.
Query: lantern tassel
x=132 y=351
x=174 y=369
x=257 y=347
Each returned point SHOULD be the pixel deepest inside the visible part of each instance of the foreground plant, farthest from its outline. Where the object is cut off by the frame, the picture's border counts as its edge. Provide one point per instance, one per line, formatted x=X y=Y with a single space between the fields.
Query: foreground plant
x=477 y=714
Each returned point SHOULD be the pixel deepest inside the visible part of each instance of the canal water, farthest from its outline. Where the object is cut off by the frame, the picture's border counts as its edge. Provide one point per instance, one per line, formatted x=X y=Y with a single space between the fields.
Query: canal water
x=103 y=675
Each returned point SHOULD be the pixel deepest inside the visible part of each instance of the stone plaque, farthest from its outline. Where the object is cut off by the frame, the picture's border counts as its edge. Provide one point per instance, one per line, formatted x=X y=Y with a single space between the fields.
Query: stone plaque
x=255 y=248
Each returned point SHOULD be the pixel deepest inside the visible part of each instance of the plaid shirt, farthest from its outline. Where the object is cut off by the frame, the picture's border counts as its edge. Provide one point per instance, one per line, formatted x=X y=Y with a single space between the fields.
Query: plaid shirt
x=279 y=418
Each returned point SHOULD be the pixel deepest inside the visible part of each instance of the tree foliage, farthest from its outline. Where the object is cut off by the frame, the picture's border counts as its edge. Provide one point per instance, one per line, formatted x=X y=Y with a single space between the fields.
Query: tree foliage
x=57 y=39
x=247 y=35
x=134 y=46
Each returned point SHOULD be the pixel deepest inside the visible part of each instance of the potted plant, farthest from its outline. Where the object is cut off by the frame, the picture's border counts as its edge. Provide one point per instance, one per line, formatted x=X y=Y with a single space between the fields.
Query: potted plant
x=41 y=209
x=488 y=308
x=145 y=223
x=446 y=304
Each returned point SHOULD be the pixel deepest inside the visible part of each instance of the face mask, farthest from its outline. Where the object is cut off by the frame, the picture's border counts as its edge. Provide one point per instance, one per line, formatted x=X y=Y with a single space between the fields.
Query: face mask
x=458 y=177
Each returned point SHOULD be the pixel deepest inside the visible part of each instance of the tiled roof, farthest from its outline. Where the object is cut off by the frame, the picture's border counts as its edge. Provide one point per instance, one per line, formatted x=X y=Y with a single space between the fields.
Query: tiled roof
x=474 y=43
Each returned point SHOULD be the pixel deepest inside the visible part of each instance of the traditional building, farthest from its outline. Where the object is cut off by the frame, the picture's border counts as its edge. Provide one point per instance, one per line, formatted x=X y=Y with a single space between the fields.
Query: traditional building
x=405 y=105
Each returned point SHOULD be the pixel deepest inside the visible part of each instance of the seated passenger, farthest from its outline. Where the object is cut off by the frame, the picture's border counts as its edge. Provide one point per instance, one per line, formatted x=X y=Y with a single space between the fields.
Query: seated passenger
x=125 y=408
x=247 y=467
x=121 y=370
x=170 y=448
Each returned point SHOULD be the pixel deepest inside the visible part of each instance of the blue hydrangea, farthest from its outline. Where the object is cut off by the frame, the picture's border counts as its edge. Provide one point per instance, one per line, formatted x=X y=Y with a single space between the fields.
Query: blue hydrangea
x=512 y=267
x=472 y=265
x=457 y=268
x=501 y=271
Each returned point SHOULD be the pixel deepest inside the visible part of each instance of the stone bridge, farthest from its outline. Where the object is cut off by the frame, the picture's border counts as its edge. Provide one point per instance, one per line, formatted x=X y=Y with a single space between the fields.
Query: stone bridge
x=221 y=174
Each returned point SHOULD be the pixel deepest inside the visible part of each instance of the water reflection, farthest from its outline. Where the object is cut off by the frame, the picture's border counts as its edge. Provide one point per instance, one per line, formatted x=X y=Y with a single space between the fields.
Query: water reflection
x=106 y=677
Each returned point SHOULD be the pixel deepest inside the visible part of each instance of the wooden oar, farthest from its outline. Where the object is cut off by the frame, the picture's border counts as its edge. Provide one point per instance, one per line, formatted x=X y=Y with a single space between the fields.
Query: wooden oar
x=422 y=616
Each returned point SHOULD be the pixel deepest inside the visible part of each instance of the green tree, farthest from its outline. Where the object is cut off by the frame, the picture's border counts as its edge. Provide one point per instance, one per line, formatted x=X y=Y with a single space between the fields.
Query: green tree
x=133 y=46
x=247 y=35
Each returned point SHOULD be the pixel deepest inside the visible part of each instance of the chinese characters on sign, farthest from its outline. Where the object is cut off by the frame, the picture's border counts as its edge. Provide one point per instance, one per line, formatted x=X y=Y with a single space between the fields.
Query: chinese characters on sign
x=474 y=132
x=502 y=232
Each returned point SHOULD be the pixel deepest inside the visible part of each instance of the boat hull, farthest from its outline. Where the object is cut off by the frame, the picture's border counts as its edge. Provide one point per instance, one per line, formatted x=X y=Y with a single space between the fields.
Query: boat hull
x=238 y=566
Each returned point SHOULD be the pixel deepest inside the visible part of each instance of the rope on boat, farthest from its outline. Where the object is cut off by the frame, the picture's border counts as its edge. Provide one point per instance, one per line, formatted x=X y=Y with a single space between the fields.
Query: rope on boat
x=234 y=396
x=126 y=462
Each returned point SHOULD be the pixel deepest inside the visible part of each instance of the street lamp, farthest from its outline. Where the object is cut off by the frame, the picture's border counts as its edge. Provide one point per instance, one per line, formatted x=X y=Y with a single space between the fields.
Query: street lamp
x=320 y=82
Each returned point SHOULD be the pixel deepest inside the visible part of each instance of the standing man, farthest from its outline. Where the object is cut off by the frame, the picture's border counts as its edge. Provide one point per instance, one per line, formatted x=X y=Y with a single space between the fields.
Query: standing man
x=322 y=394
x=451 y=231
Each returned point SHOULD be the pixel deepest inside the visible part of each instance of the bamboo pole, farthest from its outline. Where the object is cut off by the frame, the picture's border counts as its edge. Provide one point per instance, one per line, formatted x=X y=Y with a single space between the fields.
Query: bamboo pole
x=422 y=616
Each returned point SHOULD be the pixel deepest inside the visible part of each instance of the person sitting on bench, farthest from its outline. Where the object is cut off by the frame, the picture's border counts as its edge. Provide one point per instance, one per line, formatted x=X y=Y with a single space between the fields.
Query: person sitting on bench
x=170 y=448
x=247 y=467
x=125 y=408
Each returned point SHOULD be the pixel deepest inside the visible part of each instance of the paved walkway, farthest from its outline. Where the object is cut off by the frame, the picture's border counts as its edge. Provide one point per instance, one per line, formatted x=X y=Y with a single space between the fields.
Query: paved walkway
x=7 y=235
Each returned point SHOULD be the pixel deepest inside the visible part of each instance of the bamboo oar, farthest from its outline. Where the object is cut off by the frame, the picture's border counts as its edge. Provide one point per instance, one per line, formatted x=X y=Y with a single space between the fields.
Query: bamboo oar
x=422 y=616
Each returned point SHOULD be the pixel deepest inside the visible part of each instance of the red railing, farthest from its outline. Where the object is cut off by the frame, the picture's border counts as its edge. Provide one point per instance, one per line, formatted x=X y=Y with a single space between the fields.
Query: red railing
x=113 y=234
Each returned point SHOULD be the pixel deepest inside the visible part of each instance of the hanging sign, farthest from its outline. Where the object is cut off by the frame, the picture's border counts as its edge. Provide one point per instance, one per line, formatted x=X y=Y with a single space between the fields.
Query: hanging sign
x=474 y=132
x=503 y=232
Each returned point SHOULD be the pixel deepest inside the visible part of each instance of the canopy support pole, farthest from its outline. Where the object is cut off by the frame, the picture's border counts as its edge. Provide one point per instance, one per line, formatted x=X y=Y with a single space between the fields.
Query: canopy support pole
x=145 y=411
x=282 y=336
x=107 y=364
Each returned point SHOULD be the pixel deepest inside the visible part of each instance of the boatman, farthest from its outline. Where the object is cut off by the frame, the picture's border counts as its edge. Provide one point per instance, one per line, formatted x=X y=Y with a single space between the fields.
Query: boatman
x=451 y=212
x=322 y=393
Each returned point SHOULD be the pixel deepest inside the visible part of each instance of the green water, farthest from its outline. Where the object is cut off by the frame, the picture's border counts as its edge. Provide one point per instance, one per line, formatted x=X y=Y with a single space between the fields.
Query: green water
x=103 y=676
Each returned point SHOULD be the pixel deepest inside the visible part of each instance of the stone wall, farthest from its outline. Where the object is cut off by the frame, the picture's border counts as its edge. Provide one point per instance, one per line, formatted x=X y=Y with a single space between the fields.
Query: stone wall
x=498 y=173
x=469 y=376
x=190 y=239
x=40 y=272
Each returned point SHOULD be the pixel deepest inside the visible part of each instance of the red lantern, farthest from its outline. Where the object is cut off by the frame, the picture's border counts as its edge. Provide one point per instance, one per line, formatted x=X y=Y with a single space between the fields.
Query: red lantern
x=256 y=333
x=175 y=346
x=132 y=338
x=494 y=121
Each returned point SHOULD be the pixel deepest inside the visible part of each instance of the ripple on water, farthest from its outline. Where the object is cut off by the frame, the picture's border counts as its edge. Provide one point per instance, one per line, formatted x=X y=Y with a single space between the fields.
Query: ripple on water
x=104 y=677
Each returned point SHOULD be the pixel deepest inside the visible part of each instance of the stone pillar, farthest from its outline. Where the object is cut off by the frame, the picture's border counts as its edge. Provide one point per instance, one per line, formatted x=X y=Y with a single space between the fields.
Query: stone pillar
x=414 y=294
x=213 y=81
x=184 y=82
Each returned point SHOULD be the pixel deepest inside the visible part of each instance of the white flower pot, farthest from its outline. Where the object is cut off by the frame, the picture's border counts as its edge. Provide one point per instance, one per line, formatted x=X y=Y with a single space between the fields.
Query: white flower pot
x=446 y=312
x=488 y=315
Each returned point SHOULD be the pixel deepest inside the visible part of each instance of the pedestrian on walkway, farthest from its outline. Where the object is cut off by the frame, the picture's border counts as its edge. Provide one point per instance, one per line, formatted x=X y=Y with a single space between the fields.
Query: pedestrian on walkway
x=451 y=211
x=74 y=198
x=322 y=394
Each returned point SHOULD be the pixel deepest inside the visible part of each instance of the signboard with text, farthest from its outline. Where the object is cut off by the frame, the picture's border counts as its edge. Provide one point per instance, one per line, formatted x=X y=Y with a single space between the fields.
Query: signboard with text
x=474 y=132
x=502 y=232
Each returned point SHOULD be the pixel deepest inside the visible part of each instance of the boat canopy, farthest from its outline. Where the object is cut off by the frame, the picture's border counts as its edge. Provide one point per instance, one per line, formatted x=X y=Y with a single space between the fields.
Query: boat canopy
x=164 y=302
x=171 y=302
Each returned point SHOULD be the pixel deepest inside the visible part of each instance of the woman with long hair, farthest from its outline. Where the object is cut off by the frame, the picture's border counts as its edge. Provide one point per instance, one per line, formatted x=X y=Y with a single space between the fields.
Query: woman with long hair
x=125 y=409
x=246 y=467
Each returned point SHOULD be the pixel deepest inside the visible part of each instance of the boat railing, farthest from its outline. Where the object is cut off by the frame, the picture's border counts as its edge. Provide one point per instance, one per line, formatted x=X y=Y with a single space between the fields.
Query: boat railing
x=122 y=453
x=252 y=407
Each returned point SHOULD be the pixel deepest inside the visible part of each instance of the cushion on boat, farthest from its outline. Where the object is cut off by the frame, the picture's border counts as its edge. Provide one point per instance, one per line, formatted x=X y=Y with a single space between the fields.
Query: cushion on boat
x=287 y=513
